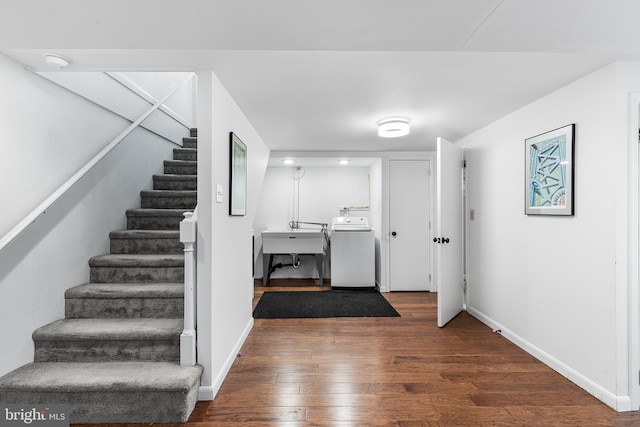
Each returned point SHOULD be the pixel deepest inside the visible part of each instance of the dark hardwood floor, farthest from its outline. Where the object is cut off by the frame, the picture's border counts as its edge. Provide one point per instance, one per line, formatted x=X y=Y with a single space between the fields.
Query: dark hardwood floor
x=393 y=372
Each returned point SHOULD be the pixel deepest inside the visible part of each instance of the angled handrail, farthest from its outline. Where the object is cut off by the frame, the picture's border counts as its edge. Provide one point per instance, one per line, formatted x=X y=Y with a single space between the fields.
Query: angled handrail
x=49 y=201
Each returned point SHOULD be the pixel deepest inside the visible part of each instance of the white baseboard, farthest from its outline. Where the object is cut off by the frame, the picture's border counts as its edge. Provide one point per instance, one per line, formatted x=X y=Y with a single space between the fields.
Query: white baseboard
x=209 y=392
x=381 y=288
x=206 y=393
x=619 y=403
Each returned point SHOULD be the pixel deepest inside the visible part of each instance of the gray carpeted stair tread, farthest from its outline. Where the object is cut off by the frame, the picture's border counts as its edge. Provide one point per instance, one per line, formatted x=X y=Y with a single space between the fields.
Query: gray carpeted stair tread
x=86 y=377
x=175 y=182
x=155 y=219
x=173 y=176
x=109 y=392
x=137 y=260
x=169 y=199
x=144 y=234
x=98 y=340
x=169 y=193
x=190 y=142
x=140 y=268
x=157 y=212
x=126 y=290
x=185 y=154
x=125 y=301
x=181 y=162
x=181 y=167
x=109 y=329
x=145 y=242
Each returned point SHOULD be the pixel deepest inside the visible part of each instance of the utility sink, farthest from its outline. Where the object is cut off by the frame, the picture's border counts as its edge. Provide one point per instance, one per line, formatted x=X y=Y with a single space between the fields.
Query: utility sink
x=299 y=241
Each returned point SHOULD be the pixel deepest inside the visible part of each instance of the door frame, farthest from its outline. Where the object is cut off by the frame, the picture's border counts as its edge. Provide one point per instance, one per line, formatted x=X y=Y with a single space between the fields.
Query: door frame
x=632 y=362
x=385 y=270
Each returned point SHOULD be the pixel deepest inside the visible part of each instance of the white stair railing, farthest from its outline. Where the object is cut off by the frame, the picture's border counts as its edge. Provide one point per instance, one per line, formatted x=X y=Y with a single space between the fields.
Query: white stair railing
x=188 y=228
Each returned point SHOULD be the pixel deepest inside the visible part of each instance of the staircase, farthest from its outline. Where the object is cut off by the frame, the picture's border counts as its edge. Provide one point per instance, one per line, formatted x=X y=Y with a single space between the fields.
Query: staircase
x=115 y=358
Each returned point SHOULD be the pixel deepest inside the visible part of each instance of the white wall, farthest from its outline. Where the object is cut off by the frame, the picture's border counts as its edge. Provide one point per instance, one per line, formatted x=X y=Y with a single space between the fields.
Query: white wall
x=156 y=84
x=225 y=285
x=553 y=284
x=47 y=134
x=131 y=94
x=322 y=191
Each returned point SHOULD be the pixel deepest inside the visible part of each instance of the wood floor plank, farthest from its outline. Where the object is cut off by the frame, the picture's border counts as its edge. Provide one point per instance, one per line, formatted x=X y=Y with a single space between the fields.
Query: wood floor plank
x=392 y=372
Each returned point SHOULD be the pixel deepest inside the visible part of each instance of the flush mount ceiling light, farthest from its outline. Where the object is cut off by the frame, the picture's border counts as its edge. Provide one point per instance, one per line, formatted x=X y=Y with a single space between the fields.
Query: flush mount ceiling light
x=288 y=161
x=393 y=127
x=343 y=162
x=56 y=61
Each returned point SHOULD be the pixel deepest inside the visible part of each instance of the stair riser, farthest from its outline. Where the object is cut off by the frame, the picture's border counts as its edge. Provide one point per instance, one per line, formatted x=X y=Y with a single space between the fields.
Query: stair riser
x=94 y=351
x=180 y=169
x=185 y=155
x=120 y=308
x=193 y=132
x=146 y=246
x=116 y=406
x=154 y=223
x=137 y=274
x=190 y=144
x=149 y=201
x=163 y=183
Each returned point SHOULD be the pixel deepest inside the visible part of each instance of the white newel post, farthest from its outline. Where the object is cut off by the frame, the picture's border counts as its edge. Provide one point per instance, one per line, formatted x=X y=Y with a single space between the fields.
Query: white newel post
x=188 y=337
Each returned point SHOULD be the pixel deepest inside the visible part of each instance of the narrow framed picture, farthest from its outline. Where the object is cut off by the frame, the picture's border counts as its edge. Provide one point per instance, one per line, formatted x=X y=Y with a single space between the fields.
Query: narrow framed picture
x=237 y=176
x=549 y=172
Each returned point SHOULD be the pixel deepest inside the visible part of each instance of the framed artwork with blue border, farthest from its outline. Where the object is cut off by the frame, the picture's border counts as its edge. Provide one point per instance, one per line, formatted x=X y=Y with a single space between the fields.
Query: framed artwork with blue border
x=549 y=172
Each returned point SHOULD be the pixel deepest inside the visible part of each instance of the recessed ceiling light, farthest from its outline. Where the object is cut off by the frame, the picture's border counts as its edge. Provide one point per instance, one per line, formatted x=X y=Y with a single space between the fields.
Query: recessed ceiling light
x=288 y=161
x=393 y=127
x=56 y=61
x=343 y=161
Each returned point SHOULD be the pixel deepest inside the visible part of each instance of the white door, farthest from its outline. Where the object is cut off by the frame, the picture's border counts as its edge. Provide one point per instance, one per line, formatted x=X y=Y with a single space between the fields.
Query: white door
x=409 y=216
x=448 y=240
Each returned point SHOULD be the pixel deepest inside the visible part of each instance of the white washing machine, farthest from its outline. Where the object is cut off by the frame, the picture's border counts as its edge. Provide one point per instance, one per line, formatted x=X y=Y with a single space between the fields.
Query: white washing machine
x=353 y=253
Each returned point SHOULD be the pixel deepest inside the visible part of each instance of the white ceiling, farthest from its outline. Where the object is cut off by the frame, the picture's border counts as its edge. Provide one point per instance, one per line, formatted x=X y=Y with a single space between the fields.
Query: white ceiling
x=318 y=75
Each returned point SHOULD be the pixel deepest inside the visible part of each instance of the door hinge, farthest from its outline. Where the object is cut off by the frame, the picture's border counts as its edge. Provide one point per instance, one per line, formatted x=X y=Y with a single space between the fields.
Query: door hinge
x=464 y=164
x=429 y=276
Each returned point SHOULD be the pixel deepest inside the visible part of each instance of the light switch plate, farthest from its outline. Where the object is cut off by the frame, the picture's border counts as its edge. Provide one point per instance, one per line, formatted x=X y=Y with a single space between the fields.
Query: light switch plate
x=218 y=193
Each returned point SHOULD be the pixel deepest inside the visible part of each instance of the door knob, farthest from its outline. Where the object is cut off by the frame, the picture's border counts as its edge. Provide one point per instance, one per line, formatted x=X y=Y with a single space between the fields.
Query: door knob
x=436 y=240
x=394 y=234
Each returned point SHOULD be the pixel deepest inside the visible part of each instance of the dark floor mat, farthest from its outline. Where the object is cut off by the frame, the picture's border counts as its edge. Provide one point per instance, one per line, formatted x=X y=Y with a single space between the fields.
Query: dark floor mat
x=334 y=303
